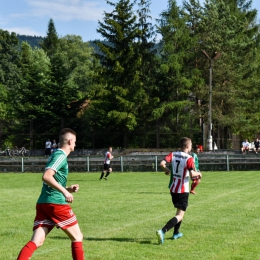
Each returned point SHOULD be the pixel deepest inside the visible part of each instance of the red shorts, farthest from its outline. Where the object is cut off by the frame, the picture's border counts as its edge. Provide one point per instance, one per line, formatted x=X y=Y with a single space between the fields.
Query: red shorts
x=50 y=215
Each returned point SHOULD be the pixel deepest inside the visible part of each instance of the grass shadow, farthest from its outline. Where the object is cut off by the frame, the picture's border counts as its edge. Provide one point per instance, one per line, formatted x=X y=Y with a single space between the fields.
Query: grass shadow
x=123 y=239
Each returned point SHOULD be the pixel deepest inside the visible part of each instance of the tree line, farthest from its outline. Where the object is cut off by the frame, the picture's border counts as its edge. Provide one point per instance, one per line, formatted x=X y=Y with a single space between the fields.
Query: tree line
x=143 y=85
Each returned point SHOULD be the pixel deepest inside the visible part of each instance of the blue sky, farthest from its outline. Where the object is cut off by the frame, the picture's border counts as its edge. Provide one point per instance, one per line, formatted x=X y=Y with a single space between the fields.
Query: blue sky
x=79 y=17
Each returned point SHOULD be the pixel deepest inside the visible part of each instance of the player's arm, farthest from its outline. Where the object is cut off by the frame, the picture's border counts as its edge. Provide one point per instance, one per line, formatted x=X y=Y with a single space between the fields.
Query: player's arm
x=194 y=174
x=73 y=188
x=192 y=169
x=164 y=167
x=48 y=178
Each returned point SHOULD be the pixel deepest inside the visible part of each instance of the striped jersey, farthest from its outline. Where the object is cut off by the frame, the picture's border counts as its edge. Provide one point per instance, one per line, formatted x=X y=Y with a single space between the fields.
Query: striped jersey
x=58 y=162
x=107 y=157
x=181 y=164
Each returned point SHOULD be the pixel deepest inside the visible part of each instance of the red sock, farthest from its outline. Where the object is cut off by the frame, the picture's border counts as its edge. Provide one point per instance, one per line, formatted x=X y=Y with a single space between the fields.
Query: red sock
x=77 y=251
x=191 y=187
x=195 y=184
x=27 y=251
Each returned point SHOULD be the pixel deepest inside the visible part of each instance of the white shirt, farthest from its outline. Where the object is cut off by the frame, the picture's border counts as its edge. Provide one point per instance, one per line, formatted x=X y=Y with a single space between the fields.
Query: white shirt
x=48 y=144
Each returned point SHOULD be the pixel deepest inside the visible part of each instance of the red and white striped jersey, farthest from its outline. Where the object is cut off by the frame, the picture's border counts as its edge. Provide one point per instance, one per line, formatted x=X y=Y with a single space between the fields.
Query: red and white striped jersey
x=107 y=157
x=181 y=164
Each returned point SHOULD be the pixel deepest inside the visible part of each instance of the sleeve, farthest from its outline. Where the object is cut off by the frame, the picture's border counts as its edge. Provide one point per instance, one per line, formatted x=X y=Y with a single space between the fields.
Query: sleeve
x=56 y=161
x=190 y=164
x=168 y=158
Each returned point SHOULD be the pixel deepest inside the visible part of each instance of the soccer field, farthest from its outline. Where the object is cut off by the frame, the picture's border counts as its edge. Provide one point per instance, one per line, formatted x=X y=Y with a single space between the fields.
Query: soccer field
x=119 y=217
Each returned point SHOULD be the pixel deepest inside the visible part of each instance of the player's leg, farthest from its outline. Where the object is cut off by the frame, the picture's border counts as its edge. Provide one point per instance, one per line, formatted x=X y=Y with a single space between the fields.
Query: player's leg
x=173 y=222
x=64 y=218
x=195 y=183
x=179 y=215
x=42 y=226
x=104 y=171
x=180 y=201
x=192 y=186
x=76 y=238
x=108 y=172
x=176 y=233
x=102 y=175
x=36 y=241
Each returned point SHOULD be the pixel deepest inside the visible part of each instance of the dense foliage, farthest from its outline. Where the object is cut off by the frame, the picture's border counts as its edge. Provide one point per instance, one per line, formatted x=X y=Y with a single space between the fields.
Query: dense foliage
x=141 y=85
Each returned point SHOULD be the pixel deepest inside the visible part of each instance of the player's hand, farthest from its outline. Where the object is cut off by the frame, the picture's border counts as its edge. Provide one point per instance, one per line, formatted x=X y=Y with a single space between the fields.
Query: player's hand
x=68 y=196
x=73 y=188
x=167 y=172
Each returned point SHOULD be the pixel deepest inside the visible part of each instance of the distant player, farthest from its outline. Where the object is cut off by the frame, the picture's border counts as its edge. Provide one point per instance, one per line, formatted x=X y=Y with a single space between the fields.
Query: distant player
x=107 y=169
x=195 y=180
x=182 y=169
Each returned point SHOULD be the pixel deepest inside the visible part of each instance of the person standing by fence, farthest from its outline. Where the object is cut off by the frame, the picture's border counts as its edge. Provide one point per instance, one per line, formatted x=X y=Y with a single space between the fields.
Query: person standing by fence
x=48 y=148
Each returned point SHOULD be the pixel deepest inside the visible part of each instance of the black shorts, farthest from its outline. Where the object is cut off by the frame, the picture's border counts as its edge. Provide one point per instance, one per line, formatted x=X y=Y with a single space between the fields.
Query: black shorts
x=180 y=200
x=48 y=151
x=106 y=166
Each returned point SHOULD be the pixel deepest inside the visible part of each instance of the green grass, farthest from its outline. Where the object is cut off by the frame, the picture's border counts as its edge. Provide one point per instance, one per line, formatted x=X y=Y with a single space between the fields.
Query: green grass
x=119 y=217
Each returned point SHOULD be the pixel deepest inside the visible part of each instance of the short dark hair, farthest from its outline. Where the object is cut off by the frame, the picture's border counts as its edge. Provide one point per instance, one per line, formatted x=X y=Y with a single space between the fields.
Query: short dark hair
x=184 y=142
x=65 y=131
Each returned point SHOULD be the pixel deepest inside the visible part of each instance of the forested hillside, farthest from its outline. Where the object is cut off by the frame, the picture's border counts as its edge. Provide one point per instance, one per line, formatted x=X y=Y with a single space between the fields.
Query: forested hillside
x=33 y=41
x=126 y=92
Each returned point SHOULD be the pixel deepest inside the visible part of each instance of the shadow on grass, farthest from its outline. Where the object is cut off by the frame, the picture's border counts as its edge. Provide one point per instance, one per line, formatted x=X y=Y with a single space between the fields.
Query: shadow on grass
x=149 y=192
x=85 y=180
x=130 y=240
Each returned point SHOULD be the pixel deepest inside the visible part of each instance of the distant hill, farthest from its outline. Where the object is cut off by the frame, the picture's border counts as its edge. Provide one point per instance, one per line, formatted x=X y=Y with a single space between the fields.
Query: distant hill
x=32 y=40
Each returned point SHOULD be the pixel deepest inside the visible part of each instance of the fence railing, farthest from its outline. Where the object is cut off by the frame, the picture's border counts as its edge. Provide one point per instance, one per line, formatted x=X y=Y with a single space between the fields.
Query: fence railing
x=139 y=163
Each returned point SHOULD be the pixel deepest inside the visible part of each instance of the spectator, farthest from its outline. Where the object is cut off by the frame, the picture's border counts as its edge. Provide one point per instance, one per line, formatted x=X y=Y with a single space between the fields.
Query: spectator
x=48 y=148
x=256 y=143
x=54 y=146
x=245 y=147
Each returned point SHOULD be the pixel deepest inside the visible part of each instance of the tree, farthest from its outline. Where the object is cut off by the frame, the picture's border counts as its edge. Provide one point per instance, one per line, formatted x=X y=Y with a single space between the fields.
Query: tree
x=49 y=43
x=10 y=78
x=121 y=68
x=9 y=72
x=177 y=76
x=229 y=28
x=34 y=96
x=72 y=73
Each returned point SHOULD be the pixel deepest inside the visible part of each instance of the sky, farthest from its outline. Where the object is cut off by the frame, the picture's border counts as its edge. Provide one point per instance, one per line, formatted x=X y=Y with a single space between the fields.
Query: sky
x=78 y=17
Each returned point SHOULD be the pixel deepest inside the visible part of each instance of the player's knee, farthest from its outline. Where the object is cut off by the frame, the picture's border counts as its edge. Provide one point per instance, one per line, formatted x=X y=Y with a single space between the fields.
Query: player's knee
x=179 y=217
x=110 y=170
x=38 y=243
x=78 y=237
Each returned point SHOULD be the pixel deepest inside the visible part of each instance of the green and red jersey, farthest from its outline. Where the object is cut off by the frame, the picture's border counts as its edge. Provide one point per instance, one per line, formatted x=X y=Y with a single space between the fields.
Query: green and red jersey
x=57 y=162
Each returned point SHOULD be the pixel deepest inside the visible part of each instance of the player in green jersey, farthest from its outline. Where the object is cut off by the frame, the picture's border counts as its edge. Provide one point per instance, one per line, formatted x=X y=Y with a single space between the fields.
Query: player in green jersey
x=52 y=208
x=195 y=180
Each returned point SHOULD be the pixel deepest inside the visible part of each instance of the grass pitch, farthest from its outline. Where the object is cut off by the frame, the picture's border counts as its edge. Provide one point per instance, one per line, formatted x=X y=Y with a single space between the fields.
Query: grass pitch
x=119 y=217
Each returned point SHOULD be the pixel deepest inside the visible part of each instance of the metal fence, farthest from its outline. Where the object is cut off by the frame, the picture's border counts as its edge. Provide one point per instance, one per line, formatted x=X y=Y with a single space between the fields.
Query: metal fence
x=139 y=163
